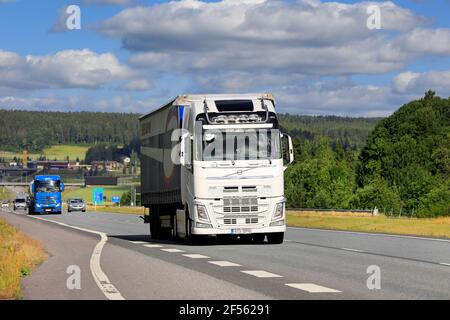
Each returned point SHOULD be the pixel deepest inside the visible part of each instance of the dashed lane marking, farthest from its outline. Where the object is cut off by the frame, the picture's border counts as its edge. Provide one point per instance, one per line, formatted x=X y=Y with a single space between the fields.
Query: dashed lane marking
x=225 y=263
x=312 y=288
x=196 y=256
x=153 y=245
x=172 y=250
x=261 y=274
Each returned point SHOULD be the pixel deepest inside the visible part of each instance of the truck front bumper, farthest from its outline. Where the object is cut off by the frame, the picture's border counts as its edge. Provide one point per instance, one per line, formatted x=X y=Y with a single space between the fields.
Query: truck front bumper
x=47 y=209
x=237 y=230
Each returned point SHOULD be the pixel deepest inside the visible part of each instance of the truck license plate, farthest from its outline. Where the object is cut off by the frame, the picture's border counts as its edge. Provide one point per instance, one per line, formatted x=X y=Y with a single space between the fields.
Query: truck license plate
x=48 y=210
x=240 y=231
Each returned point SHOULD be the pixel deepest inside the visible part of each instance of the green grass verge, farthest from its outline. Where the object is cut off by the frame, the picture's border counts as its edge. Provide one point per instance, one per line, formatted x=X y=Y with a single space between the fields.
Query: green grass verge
x=58 y=152
x=437 y=227
x=5 y=193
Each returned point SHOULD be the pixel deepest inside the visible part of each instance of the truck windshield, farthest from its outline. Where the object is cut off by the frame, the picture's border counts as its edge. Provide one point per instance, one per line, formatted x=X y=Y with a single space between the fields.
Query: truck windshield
x=47 y=186
x=240 y=144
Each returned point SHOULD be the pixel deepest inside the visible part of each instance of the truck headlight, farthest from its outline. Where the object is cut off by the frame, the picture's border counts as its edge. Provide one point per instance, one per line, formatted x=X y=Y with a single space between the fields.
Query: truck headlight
x=38 y=205
x=202 y=214
x=58 y=204
x=278 y=211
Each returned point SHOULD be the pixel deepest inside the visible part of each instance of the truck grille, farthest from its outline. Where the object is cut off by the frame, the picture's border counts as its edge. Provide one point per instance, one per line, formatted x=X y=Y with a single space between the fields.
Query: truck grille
x=240 y=205
x=252 y=220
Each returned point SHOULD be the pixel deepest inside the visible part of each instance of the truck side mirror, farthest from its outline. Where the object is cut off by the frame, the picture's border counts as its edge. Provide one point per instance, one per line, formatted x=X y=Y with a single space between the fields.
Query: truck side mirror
x=288 y=150
x=183 y=151
x=62 y=186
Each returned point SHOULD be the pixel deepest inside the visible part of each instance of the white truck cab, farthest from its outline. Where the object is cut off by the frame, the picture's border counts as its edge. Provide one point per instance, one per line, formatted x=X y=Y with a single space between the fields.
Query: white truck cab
x=213 y=165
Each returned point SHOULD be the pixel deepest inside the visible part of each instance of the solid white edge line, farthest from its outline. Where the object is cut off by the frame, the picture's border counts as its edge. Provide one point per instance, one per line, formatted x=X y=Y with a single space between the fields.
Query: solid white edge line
x=445 y=264
x=371 y=234
x=352 y=250
x=100 y=278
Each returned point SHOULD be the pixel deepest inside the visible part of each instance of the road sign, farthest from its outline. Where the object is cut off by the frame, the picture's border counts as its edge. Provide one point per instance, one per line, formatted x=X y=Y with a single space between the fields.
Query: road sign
x=97 y=196
x=115 y=199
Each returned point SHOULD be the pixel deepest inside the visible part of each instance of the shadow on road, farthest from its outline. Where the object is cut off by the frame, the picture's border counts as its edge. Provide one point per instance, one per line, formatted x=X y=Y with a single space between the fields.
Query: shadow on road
x=207 y=241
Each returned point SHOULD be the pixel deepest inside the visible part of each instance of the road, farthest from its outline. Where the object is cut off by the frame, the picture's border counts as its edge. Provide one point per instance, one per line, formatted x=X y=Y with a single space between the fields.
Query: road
x=310 y=264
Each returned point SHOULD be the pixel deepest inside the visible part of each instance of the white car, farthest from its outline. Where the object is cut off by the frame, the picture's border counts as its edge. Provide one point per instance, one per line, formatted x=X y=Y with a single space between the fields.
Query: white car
x=5 y=204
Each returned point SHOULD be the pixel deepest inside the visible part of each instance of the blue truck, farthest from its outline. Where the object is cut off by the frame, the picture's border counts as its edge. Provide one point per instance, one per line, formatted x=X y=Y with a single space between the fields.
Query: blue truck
x=46 y=195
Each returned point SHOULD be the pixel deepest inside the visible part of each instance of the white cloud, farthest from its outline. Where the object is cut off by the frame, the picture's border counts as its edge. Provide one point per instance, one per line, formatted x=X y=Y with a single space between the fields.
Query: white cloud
x=418 y=83
x=137 y=85
x=108 y=2
x=53 y=102
x=64 y=69
x=308 y=37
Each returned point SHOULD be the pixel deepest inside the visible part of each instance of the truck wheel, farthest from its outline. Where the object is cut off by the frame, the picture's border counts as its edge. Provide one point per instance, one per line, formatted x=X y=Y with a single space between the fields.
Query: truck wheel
x=155 y=224
x=275 y=238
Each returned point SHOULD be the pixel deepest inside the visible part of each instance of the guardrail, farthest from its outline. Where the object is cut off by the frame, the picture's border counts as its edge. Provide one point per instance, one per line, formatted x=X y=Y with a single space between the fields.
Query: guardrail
x=329 y=210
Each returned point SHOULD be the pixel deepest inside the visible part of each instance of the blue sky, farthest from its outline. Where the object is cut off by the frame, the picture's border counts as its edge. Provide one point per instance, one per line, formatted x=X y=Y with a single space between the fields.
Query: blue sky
x=318 y=57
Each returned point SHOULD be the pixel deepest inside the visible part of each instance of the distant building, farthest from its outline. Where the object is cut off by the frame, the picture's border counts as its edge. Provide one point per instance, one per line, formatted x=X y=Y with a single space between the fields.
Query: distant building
x=52 y=165
x=107 y=165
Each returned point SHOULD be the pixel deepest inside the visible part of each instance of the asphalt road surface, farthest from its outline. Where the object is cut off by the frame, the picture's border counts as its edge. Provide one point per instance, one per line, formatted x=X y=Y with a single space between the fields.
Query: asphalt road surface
x=310 y=264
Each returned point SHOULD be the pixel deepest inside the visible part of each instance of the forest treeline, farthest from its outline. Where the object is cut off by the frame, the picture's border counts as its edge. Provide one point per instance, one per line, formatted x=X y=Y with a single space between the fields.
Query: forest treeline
x=36 y=130
x=399 y=164
x=403 y=168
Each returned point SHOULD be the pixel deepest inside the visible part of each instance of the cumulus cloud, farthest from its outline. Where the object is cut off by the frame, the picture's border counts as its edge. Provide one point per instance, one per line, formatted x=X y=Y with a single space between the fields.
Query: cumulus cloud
x=304 y=36
x=64 y=69
x=108 y=2
x=54 y=102
x=414 y=82
x=137 y=85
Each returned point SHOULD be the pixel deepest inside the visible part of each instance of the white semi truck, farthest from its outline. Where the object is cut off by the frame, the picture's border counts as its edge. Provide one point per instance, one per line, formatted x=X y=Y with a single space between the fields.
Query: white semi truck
x=213 y=165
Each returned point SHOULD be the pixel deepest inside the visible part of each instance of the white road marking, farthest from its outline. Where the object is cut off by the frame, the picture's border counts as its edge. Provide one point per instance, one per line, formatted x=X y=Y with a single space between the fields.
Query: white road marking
x=312 y=288
x=371 y=234
x=261 y=274
x=100 y=278
x=196 y=256
x=225 y=263
x=172 y=250
x=353 y=250
x=445 y=264
x=139 y=242
x=153 y=245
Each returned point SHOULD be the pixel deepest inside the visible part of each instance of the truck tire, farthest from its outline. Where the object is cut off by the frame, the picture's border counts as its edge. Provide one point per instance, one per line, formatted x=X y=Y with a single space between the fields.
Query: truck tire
x=275 y=238
x=155 y=224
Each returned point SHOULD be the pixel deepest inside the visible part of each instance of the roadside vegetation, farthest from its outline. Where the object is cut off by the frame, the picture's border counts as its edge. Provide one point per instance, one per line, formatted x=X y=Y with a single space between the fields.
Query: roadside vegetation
x=18 y=256
x=403 y=169
x=60 y=152
x=5 y=193
x=429 y=227
x=86 y=193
